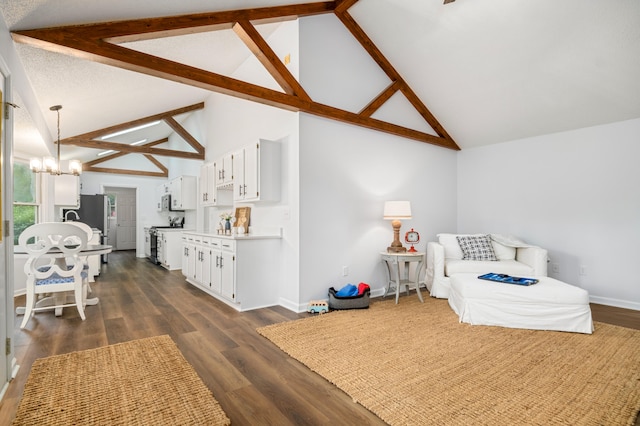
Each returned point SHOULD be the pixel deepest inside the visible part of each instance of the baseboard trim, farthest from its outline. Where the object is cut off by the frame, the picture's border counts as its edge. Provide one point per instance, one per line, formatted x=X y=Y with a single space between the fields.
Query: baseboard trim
x=615 y=302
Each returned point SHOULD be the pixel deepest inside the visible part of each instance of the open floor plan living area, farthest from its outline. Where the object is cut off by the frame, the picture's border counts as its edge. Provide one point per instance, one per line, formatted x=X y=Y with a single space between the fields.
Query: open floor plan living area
x=277 y=212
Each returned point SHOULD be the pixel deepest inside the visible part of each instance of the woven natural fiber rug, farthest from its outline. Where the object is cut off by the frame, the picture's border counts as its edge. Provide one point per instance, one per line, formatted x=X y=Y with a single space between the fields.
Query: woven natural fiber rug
x=142 y=382
x=415 y=364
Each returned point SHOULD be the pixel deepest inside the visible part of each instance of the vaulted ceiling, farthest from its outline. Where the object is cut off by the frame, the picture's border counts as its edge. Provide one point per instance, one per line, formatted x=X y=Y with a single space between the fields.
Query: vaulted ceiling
x=488 y=70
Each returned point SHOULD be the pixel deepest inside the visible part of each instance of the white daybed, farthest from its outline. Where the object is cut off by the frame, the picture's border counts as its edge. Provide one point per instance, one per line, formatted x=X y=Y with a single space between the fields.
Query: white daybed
x=513 y=257
x=548 y=305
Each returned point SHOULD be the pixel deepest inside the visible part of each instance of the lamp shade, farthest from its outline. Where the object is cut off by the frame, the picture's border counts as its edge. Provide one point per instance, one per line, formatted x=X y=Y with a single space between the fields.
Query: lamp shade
x=394 y=210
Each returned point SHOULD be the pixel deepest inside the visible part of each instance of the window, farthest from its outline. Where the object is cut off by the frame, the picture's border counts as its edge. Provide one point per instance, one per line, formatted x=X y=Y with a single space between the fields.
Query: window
x=112 y=205
x=26 y=199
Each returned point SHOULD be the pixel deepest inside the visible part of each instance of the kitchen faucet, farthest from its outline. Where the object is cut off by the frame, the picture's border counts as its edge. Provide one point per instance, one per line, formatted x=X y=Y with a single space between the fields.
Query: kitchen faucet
x=66 y=215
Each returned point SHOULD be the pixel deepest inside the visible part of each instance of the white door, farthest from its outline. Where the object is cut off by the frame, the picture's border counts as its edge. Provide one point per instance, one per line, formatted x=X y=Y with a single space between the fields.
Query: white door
x=227 y=279
x=126 y=219
x=6 y=245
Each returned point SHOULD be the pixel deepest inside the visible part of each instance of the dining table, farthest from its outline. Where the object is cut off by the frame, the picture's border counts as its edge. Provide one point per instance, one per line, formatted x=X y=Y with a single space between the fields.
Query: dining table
x=59 y=256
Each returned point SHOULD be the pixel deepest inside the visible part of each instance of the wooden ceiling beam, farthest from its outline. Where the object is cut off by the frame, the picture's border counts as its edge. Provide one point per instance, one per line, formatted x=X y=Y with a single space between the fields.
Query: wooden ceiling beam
x=268 y=58
x=140 y=121
x=139 y=149
x=89 y=166
x=136 y=29
x=184 y=134
x=127 y=172
x=375 y=53
x=120 y=154
x=343 y=5
x=89 y=42
x=383 y=97
x=157 y=163
x=163 y=68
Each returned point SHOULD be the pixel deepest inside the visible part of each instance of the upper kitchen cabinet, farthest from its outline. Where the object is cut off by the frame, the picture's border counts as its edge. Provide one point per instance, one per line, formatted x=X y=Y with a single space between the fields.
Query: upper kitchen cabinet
x=256 y=172
x=209 y=194
x=66 y=190
x=183 y=191
x=224 y=171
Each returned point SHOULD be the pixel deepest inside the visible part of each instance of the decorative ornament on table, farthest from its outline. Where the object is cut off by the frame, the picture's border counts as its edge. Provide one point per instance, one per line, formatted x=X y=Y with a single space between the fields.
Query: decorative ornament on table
x=412 y=237
x=227 y=218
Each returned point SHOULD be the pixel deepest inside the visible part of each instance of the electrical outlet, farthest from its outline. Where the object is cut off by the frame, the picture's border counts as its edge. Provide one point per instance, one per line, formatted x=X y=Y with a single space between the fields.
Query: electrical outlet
x=345 y=271
x=583 y=270
x=555 y=268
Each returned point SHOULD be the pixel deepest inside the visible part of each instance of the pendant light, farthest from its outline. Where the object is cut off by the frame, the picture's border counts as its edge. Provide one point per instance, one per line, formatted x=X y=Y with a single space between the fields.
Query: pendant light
x=51 y=165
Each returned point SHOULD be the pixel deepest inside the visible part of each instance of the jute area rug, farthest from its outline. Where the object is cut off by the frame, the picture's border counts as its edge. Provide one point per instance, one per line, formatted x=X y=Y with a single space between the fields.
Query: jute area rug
x=415 y=364
x=142 y=382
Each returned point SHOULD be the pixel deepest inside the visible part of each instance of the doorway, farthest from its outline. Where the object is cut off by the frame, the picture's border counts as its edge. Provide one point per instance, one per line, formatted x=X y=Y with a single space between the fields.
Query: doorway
x=6 y=220
x=121 y=222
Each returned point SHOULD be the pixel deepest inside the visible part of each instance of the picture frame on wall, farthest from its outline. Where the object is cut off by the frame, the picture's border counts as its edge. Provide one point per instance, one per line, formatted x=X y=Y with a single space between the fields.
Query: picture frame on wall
x=243 y=219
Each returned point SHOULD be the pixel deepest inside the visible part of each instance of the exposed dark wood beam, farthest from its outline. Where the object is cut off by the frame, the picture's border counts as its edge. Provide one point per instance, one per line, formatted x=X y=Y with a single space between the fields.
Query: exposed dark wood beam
x=184 y=134
x=268 y=58
x=139 y=29
x=89 y=166
x=140 y=121
x=157 y=163
x=126 y=172
x=383 y=97
x=391 y=72
x=119 y=154
x=343 y=5
x=160 y=67
x=122 y=147
x=90 y=42
x=86 y=140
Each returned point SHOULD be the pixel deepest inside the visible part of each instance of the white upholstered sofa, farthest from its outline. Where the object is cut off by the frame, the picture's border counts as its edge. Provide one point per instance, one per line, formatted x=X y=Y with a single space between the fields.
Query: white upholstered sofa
x=514 y=257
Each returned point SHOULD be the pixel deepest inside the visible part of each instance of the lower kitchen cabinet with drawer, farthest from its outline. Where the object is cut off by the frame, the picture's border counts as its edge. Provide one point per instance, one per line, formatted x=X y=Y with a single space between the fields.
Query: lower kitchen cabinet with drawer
x=243 y=272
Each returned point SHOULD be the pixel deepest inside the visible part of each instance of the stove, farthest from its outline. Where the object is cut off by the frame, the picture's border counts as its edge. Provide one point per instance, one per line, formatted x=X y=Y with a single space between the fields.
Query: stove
x=153 y=236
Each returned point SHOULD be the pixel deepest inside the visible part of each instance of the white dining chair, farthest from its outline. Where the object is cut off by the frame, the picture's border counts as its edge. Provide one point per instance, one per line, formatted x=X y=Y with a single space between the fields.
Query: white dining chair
x=54 y=266
x=87 y=266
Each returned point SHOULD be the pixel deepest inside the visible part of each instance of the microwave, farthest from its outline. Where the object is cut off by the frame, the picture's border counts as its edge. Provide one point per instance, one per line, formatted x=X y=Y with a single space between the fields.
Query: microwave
x=166 y=204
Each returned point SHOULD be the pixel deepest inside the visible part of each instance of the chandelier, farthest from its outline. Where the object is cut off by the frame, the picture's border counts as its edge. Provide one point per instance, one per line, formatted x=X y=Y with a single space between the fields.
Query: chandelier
x=52 y=165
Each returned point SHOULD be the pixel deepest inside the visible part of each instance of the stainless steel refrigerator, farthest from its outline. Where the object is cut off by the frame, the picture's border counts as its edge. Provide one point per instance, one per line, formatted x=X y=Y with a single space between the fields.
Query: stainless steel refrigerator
x=94 y=211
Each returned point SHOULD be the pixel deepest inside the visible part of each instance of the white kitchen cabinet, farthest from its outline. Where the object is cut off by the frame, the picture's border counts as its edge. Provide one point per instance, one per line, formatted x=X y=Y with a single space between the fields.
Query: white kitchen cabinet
x=66 y=191
x=227 y=271
x=183 y=193
x=209 y=193
x=203 y=262
x=256 y=172
x=189 y=256
x=244 y=271
x=224 y=170
x=169 y=249
x=147 y=242
x=208 y=184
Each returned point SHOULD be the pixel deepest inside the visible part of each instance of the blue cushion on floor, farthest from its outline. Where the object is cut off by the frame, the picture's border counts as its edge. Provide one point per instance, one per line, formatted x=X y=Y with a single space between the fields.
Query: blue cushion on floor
x=347 y=290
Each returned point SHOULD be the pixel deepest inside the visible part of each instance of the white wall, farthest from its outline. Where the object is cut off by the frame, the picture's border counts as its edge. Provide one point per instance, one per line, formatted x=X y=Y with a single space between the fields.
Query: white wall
x=230 y=123
x=574 y=193
x=146 y=198
x=348 y=172
x=346 y=175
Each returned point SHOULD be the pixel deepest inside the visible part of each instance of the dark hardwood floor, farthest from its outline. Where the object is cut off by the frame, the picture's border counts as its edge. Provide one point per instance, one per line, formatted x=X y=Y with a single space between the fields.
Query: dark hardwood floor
x=256 y=383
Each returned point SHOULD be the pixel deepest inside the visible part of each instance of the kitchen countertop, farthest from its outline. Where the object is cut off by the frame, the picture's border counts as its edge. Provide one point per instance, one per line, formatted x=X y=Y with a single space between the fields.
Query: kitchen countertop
x=174 y=230
x=252 y=236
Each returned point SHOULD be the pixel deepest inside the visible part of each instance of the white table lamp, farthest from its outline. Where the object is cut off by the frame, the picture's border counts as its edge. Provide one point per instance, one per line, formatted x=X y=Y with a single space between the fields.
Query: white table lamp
x=395 y=211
